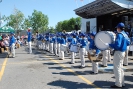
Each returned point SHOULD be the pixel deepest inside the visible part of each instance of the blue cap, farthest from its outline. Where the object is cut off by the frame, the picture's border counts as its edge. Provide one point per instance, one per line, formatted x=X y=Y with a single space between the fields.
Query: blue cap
x=120 y=25
x=12 y=33
x=93 y=34
x=83 y=34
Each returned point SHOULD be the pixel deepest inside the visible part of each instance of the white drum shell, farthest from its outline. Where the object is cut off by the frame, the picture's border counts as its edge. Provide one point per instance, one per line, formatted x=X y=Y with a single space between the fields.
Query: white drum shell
x=63 y=47
x=74 y=48
x=106 y=37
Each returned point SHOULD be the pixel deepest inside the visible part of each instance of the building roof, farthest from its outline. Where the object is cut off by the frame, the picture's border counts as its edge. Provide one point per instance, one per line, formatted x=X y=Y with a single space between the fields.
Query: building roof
x=102 y=7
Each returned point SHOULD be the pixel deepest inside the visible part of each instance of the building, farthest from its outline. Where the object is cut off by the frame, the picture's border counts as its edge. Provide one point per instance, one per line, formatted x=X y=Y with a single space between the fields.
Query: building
x=103 y=15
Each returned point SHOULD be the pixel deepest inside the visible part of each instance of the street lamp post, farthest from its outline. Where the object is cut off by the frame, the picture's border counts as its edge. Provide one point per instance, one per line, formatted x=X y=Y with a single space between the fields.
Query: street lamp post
x=0 y=15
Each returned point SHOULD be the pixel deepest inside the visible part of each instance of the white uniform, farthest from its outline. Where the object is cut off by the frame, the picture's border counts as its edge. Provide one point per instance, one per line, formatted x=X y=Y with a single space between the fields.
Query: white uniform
x=13 y=49
x=118 y=71
x=29 y=46
x=105 y=57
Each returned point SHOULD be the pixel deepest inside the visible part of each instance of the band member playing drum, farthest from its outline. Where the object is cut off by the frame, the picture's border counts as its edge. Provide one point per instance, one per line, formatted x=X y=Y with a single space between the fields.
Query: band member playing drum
x=92 y=47
x=120 y=46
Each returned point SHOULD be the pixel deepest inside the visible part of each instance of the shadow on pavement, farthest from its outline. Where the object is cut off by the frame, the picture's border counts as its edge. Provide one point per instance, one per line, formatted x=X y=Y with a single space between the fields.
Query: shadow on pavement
x=107 y=84
x=3 y=55
x=69 y=84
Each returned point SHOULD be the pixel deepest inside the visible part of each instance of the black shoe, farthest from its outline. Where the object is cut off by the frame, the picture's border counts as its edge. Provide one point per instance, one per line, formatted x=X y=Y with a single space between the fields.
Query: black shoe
x=124 y=65
x=123 y=86
x=93 y=73
x=103 y=66
x=71 y=63
x=60 y=59
x=82 y=67
x=114 y=86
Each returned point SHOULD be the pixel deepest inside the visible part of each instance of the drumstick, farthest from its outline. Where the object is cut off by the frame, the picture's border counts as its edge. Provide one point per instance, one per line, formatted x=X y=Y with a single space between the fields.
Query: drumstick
x=101 y=41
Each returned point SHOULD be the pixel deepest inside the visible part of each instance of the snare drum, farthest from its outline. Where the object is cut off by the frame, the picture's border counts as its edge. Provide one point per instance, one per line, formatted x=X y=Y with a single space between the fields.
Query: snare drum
x=74 y=48
x=63 y=47
x=104 y=37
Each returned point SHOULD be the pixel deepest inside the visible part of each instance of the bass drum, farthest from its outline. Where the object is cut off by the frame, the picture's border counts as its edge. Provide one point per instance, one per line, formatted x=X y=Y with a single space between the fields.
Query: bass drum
x=104 y=37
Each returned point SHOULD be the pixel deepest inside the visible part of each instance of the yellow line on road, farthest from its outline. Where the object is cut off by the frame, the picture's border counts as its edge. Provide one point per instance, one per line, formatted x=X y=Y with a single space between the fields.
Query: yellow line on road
x=70 y=70
x=3 y=68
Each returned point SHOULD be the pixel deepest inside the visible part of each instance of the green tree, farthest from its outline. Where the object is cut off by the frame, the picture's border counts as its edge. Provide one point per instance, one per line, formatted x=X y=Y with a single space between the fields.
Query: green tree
x=58 y=27
x=71 y=24
x=68 y=25
x=78 y=21
x=65 y=25
x=39 y=21
x=51 y=29
x=26 y=24
x=15 y=20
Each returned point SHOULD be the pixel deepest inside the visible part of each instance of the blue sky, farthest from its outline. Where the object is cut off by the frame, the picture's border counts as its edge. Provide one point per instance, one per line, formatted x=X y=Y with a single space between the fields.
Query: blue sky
x=56 y=10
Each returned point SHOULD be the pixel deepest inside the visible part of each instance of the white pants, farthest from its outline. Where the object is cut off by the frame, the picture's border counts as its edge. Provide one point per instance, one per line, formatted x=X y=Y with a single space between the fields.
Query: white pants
x=82 y=53
x=58 y=49
x=55 y=48
x=118 y=68
x=43 y=46
x=105 y=57
x=72 y=57
x=95 y=67
x=62 y=55
x=125 y=62
x=29 y=45
x=47 y=46
x=13 y=50
x=51 y=47
x=109 y=56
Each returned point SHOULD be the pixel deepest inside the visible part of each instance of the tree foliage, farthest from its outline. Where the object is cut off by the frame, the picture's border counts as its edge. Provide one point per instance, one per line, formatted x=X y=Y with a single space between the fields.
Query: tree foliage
x=68 y=25
x=15 y=20
x=39 y=21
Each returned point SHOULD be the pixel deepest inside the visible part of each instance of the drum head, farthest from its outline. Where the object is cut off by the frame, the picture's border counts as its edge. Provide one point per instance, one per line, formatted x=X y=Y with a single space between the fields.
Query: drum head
x=103 y=37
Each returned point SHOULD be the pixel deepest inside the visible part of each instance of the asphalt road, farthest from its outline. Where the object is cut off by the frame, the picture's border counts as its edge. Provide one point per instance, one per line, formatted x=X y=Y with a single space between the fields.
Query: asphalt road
x=42 y=70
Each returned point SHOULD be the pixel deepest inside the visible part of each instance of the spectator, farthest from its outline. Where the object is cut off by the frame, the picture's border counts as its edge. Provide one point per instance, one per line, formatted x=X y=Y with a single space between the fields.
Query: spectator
x=2 y=45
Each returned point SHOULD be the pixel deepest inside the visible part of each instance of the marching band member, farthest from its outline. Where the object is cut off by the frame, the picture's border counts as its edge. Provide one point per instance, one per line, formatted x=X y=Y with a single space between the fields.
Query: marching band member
x=12 y=44
x=51 y=43
x=29 y=41
x=82 y=50
x=120 y=46
x=55 y=45
x=62 y=42
x=72 y=44
x=92 y=47
x=58 y=44
x=47 y=42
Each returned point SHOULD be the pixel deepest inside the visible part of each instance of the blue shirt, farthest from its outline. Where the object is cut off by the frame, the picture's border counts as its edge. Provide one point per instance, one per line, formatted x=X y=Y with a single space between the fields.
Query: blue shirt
x=12 y=40
x=54 y=39
x=121 y=42
x=29 y=36
x=83 y=43
x=62 y=41
x=93 y=47
x=58 y=40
